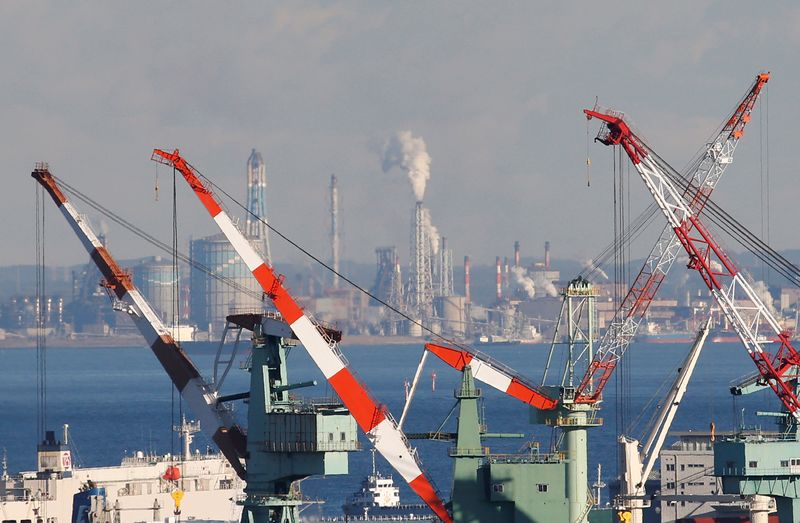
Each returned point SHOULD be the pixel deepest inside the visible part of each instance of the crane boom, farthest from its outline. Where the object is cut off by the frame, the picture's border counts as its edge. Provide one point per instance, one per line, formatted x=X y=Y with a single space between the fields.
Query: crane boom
x=217 y=421
x=494 y=374
x=638 y=465
x=620 y=333
x=373 y=417
x=752 y=320
x=617 y=338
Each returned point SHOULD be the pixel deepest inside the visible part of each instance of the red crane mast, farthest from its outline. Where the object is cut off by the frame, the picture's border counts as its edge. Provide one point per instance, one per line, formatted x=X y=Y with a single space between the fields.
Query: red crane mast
x=752 y=320
x=706 y=174
x=618 y=336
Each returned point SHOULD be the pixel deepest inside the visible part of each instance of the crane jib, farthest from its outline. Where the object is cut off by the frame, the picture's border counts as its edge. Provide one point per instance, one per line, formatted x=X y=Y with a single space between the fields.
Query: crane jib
x=741 y=305
x=217 y=423
x=708 y=170
x=370 y=415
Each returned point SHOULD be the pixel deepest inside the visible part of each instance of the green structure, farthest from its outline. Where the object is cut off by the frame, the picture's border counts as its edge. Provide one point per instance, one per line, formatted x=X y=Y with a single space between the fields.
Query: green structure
x=288 y=439
x=759 y=464
x=501 y=488
x=573 y=418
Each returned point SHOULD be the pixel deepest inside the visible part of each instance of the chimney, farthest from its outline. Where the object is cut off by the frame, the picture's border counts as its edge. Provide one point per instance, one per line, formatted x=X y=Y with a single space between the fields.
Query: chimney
x=499 y=278
x=466 y=281
x=516 y=253
x=506 y=272
x=547 y=255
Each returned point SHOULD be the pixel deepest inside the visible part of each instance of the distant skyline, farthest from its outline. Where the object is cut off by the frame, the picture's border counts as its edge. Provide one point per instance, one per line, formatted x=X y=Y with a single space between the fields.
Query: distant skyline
x=496 y=93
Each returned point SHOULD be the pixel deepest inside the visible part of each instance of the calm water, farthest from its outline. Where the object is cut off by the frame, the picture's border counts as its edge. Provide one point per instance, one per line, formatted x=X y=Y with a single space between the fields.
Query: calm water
x=118 y=401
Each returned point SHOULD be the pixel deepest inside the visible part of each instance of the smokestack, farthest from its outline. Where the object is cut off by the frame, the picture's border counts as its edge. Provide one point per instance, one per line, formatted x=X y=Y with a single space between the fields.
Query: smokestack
x=516 y=253
x=506 y=272
x=547 y=255
x=499 y=278
x=335 y=229
x=467 y=300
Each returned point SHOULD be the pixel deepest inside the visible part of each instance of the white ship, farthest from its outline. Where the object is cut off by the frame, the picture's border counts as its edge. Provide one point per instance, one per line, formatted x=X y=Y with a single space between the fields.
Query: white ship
x=143 y=488
x=379 y=499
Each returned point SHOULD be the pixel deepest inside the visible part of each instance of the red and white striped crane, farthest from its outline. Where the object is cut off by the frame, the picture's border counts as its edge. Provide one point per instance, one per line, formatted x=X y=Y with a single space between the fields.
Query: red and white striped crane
x=617 y=338
x=373 y=417
x=216 y=420
x=752 y=320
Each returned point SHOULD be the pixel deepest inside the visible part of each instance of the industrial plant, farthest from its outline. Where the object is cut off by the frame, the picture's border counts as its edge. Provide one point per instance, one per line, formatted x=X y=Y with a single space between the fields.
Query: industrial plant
x=229 y=289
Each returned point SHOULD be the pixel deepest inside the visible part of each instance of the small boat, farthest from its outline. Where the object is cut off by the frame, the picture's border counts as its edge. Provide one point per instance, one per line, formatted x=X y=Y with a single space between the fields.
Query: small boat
x=379 y=500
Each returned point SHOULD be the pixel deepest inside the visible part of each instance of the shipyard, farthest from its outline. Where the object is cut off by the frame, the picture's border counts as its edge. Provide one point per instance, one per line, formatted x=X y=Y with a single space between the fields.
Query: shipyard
x=360 y=262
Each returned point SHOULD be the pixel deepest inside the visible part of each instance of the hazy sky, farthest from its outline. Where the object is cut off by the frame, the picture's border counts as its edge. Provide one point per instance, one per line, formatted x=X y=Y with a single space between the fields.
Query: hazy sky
x=495 y=89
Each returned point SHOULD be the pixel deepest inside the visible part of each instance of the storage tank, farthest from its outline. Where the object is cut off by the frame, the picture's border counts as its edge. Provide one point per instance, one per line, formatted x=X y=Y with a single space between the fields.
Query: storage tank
x=211 y=299
x=156 y=280
x=453 y=310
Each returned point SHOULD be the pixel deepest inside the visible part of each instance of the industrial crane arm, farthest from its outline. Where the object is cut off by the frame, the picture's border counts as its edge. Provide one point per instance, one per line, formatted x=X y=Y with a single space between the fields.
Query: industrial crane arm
x=494 y=374
x=373 y=417
x=707 y=173
x=215 y=420
x=756 y=326
x=639 y=464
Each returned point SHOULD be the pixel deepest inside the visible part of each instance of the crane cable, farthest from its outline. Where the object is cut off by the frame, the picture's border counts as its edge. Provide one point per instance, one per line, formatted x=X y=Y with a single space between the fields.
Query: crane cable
x=327 y=267
x=645 y=218
x=188 y=259
x=164 y=247
x=735 y=229
x=41 y=334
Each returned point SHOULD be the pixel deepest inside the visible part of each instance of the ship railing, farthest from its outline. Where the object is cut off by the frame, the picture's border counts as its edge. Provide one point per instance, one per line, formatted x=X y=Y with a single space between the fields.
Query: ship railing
x=468 y=451
x=555 y=457
x=760 y=471
x=311 y=446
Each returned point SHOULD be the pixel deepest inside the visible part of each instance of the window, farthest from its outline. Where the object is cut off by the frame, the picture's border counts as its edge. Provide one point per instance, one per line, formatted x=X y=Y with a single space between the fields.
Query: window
x=542 y=487
x=498 y=487
x=683 y=467
x=670 y=485
x=670 y=466
x=695 y=465
x=343 y=436
x=752 y=464
x=785 y=462
x=330 y=436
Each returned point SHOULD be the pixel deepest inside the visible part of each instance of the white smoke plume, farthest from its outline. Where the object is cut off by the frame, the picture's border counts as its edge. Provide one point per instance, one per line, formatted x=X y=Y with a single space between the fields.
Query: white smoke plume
x=589 y=265
x=410 y=154
x=431 y=231
x=762 y=291
x=544 y=284
x=524 y=281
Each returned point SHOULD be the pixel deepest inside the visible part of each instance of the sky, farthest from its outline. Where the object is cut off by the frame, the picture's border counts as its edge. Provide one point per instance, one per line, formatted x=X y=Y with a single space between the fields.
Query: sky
x=495 y=90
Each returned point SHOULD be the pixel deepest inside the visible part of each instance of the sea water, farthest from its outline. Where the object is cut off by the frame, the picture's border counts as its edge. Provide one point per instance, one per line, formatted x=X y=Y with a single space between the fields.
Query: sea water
x=118 y=401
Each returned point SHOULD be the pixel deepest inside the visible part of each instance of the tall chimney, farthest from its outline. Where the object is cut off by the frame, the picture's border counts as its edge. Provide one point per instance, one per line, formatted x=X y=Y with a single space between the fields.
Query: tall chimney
x=506 y=272
x=499 y=278
x=516 y=253
x=334 y=196
x=547 y=255
x=467 y=299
